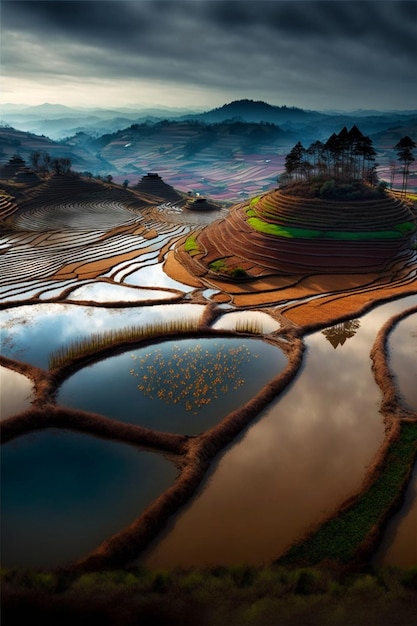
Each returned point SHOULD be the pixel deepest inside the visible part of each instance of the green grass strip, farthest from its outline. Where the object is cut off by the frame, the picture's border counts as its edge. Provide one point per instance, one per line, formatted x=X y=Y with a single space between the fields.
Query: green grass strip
x=191 y=246
x=338 y=539
x=291 y=232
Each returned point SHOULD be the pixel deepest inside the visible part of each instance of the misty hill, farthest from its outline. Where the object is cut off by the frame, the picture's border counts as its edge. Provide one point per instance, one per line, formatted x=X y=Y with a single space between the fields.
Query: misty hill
x=192 y=138
x=306 y=123
x=256 y=111
x=59 y=121
x=227 y=158
x=13 y=141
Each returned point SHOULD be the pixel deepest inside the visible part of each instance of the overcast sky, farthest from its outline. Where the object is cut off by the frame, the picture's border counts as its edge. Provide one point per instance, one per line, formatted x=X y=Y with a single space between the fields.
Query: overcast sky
x=337 y=54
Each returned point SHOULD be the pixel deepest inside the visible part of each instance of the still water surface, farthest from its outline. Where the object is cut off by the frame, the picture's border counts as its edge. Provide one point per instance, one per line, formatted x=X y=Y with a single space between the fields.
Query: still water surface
x=64 y=493
x=304 y=456
x=16 y=392
x=402 y=345
x=399 y=545
x=31 y=333
x=183 y=386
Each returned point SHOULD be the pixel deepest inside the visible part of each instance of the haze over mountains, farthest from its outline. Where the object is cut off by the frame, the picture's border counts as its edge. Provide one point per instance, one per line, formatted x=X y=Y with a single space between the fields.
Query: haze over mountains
x=58 y=121
x=239 y=146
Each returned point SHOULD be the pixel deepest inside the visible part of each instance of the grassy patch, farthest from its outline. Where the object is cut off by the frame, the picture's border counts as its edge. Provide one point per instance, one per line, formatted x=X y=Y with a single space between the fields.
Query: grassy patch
x=97 y=341
x=191 y=246
x=306 y=233
x=405 y=227
x=221 y=266
x=249 y=326
x=339 y=538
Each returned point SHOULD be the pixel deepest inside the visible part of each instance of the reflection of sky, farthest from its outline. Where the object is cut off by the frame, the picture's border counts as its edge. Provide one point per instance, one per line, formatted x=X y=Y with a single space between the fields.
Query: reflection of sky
x=15 y=392
x=402 y=345
x=154 y=276
x=105 y=292
x=64 y=493
x=188 y=385
x=302 y=457
x=31 y=332
x=265 y=321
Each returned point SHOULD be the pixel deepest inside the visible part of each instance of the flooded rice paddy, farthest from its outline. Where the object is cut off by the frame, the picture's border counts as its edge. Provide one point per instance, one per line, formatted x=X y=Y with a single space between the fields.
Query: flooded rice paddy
x=183 y=386
x=32 y=332
x=403 y=358
x=64 y=493
x=105 y=292
x=16 y=392
x=304 y=455
x=399 y=545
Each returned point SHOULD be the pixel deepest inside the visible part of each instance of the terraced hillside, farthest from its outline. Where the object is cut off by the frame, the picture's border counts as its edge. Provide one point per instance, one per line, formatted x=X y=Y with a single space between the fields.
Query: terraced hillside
x=282 y=234
x=69 y=227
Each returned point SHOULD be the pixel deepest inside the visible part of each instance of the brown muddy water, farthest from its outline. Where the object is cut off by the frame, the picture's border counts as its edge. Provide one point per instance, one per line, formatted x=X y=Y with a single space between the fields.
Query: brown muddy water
x=301 y=459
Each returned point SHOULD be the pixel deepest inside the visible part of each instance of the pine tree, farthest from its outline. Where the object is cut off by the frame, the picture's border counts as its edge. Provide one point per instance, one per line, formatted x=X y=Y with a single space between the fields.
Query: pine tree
x=405 y=149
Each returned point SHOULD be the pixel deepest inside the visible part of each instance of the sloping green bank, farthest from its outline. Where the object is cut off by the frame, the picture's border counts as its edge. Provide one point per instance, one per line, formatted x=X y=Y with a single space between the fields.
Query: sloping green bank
x=308 y=233
x=340 y=538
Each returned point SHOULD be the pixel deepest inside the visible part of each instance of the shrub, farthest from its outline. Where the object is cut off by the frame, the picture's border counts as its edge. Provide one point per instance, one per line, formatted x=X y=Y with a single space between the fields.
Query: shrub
x=161 y=582
x=309 y=581
x=365 y=585
x=238 y=272
x=409 y=579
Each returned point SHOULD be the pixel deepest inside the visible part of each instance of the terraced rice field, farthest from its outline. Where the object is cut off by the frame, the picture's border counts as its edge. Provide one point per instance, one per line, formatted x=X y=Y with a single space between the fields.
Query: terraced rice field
x=85 y=263
x=289 y=235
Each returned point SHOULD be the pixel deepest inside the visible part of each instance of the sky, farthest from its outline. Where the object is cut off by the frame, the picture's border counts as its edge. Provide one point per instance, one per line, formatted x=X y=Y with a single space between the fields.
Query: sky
x=314 y=54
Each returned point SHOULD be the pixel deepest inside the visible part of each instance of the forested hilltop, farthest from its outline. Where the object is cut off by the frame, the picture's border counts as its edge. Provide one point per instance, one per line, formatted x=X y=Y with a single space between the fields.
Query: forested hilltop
x=344 y=166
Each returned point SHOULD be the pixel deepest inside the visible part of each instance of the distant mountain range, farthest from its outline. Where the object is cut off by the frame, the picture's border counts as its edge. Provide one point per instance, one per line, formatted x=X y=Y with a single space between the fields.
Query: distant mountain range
x=205 y=151
x=58 y=121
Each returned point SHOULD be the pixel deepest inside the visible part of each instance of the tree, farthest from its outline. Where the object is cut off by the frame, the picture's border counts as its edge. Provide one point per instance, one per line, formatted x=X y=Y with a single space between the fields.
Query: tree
x=125 y=183
x=294 y=160
x=35 y=158
x=392 y=168
x=44 y=163
x=61 y=165
x=365 y=150
x=405 y=149
x=109 y=178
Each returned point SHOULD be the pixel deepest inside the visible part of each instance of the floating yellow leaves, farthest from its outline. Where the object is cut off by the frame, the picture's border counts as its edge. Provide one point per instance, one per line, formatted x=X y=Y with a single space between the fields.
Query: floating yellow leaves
x=193 y=376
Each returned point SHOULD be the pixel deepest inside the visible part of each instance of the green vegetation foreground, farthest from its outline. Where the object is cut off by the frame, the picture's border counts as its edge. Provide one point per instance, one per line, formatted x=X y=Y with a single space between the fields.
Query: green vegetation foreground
x=236 y=596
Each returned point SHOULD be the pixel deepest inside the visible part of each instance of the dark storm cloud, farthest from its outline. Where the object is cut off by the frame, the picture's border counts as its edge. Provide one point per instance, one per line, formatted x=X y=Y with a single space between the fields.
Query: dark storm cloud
x=252 y=45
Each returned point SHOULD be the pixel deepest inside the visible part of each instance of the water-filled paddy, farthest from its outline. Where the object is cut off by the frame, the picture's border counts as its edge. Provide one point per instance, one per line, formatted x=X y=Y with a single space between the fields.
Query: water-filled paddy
x=64 y=493
x=106 y=292
x=16 y=392
x=183 y=386
x=402 y=347
x=30 y=333
x=399 y=545
x=304 y=455
x=154 y=276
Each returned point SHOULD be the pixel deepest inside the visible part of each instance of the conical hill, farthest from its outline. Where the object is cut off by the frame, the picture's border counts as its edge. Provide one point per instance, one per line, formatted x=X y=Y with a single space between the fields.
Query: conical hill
x=284 y=234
